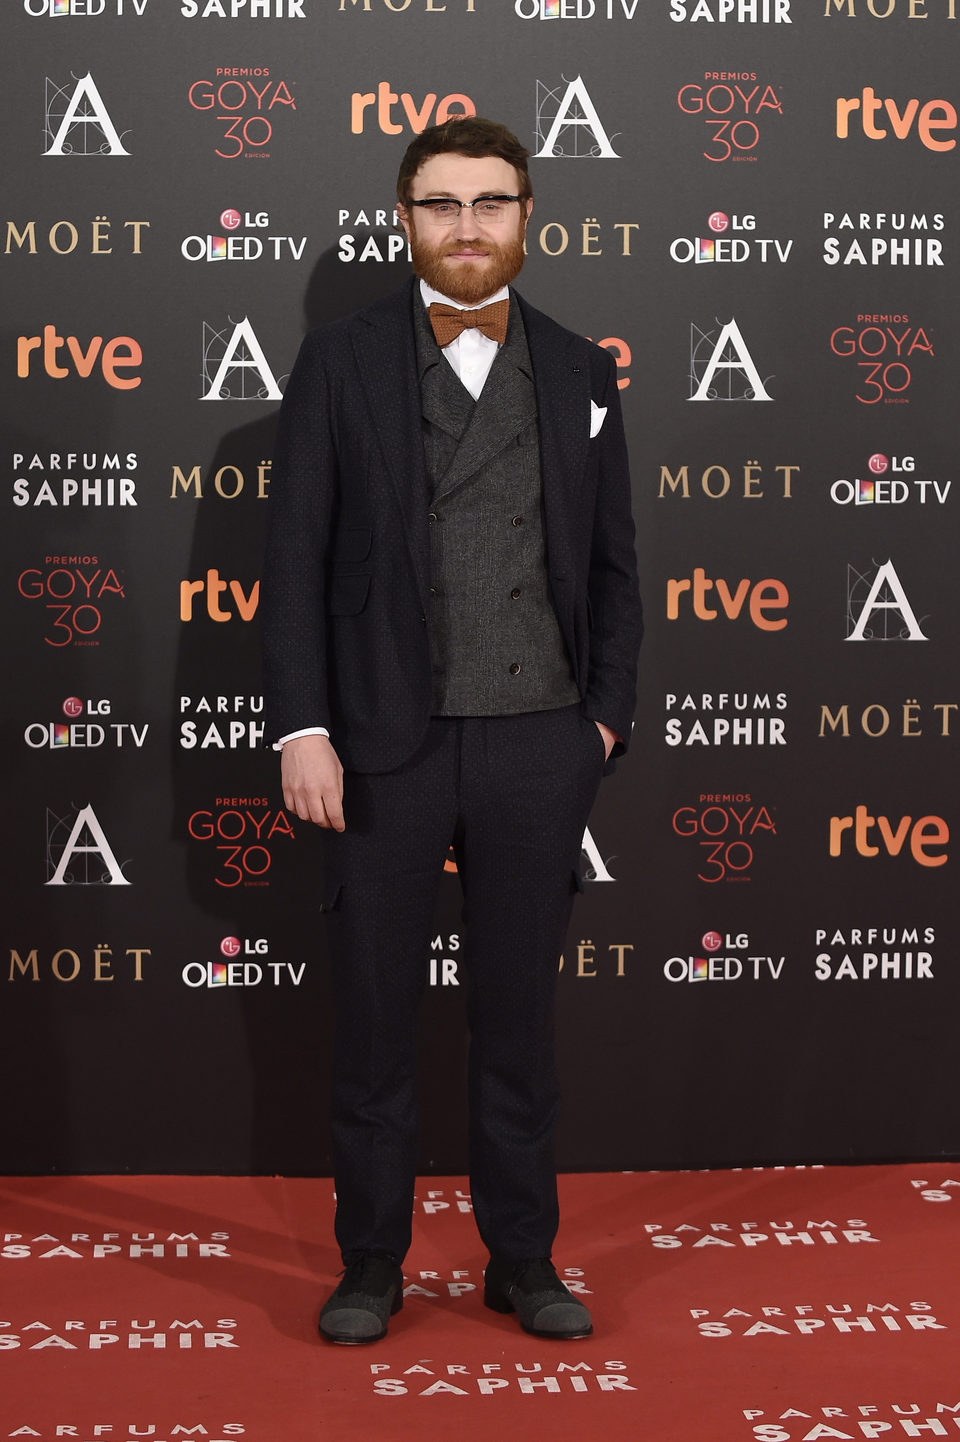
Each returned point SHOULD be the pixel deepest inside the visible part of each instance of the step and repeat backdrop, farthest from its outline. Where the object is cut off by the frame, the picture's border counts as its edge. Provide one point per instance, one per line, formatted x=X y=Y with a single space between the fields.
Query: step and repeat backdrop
x=753 y=205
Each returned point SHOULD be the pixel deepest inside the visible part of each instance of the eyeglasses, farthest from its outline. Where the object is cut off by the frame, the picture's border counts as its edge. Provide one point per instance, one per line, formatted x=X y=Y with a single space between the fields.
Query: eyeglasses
x=489 y=209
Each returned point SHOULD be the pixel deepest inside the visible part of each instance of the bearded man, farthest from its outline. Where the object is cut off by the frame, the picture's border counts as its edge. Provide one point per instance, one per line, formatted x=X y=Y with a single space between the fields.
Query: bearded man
x=451 y=622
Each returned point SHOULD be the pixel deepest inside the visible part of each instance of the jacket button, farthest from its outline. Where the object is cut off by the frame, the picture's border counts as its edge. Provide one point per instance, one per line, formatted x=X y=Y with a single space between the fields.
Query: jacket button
x=515 y=669
x=515 y=594
x=432 y=517
x=517 y=521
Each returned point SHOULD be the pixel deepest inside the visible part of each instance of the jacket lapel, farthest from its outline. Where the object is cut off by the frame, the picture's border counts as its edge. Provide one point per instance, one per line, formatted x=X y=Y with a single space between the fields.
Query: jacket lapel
x=446 y=403
x=385 y=353
x=507 y=403
x=563 y=408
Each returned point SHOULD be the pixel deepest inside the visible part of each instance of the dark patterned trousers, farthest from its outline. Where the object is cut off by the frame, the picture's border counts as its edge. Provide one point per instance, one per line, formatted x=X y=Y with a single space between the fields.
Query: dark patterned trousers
x=512 y=794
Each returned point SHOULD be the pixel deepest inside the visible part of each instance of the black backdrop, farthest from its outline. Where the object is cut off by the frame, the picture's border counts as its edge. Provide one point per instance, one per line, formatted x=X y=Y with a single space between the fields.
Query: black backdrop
x=753 y=203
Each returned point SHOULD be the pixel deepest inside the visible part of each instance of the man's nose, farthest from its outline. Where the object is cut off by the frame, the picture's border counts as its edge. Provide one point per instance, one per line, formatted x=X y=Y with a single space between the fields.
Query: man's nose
x=465 y=226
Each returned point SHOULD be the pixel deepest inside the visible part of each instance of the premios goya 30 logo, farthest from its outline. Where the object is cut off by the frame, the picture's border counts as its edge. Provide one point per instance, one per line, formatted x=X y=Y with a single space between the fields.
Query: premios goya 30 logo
x=239 y=835
x=75 y=592
x=245 y=103
x=733 y=105
x=886 y=348
x=727 y=829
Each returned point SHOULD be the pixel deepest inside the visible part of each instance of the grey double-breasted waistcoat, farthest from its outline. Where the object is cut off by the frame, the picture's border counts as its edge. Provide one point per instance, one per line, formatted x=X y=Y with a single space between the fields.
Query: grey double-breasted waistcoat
x=495 y=644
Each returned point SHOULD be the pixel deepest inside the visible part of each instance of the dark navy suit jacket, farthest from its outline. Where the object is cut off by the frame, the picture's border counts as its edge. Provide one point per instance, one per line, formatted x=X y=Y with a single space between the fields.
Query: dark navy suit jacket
x=345 y=586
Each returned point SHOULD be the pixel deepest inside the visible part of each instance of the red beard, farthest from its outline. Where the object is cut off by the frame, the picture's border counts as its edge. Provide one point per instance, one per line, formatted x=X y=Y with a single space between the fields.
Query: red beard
x=465 y=281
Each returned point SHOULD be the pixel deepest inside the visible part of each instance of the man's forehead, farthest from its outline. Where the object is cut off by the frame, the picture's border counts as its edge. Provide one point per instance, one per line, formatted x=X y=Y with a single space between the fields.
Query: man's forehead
x=452 y=173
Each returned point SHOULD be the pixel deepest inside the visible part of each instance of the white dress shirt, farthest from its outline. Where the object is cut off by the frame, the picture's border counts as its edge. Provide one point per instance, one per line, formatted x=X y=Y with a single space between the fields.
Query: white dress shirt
x=471 y=354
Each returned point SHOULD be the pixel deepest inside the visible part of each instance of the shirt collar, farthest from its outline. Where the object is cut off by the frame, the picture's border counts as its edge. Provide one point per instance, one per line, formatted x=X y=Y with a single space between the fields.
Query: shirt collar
x=429 y=295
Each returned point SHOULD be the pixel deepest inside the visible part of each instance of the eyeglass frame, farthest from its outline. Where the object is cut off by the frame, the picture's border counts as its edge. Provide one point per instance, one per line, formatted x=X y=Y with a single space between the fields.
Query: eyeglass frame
x=461 y=205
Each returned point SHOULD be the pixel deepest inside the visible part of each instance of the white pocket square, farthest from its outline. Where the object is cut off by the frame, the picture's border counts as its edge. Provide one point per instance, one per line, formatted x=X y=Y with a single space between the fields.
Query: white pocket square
x=597 y=417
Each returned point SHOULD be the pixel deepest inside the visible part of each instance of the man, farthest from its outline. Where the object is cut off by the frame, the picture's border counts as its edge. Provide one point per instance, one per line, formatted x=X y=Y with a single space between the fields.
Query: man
x=451 y=624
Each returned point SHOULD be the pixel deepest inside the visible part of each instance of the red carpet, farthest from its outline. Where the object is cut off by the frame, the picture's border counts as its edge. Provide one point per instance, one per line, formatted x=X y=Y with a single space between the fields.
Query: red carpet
x=729 y=1306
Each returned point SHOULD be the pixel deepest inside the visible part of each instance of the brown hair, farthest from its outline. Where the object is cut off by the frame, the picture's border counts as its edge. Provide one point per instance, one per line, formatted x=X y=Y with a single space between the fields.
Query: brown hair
x=466 y=135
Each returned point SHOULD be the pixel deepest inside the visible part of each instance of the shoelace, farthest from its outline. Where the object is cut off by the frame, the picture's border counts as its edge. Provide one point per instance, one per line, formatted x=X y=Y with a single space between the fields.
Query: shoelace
x=371 y=1274
x=539 y=1275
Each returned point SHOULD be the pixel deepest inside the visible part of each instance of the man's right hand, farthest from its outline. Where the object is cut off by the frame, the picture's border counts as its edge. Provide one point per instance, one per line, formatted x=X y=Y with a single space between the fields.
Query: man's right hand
x=312 y=779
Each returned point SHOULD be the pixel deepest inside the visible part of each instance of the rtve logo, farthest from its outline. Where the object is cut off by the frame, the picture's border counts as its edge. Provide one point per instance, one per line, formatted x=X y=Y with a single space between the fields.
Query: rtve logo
x=923 y=834
x=759 y=597
x=418 y=115
x=933 y=115
x=120 y=353
x=213 y=589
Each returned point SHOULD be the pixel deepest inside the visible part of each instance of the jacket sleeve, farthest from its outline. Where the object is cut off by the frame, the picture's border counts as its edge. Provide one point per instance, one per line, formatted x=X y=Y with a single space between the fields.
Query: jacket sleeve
x=303 y=498
x=615 y=612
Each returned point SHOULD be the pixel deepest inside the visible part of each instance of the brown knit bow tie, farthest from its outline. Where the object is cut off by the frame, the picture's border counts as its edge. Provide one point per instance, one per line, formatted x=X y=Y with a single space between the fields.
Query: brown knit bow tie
x=447 y=321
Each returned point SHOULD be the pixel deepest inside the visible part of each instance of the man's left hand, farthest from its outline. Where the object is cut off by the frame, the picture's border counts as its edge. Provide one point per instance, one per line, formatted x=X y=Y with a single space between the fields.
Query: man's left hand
x=609 y=737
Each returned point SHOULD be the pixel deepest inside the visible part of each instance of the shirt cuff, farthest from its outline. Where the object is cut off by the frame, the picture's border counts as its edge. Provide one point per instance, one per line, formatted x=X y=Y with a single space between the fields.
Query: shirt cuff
x=307 y=731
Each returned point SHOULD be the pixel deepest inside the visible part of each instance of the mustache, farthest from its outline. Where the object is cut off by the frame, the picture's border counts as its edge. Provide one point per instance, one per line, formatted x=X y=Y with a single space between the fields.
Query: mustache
x=456 y=246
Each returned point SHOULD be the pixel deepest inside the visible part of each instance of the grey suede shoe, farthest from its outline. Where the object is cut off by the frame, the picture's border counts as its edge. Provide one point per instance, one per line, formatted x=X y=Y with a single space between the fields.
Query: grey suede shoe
x=368 y=1294
x=542 y=1303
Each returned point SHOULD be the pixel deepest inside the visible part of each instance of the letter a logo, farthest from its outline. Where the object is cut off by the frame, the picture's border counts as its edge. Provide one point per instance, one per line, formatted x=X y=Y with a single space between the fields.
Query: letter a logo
x=235 y=357
x=86 y=840
x=569 y=117
x=728 y=354
x=83 y=124
x=598 y=867
x=886 y=596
